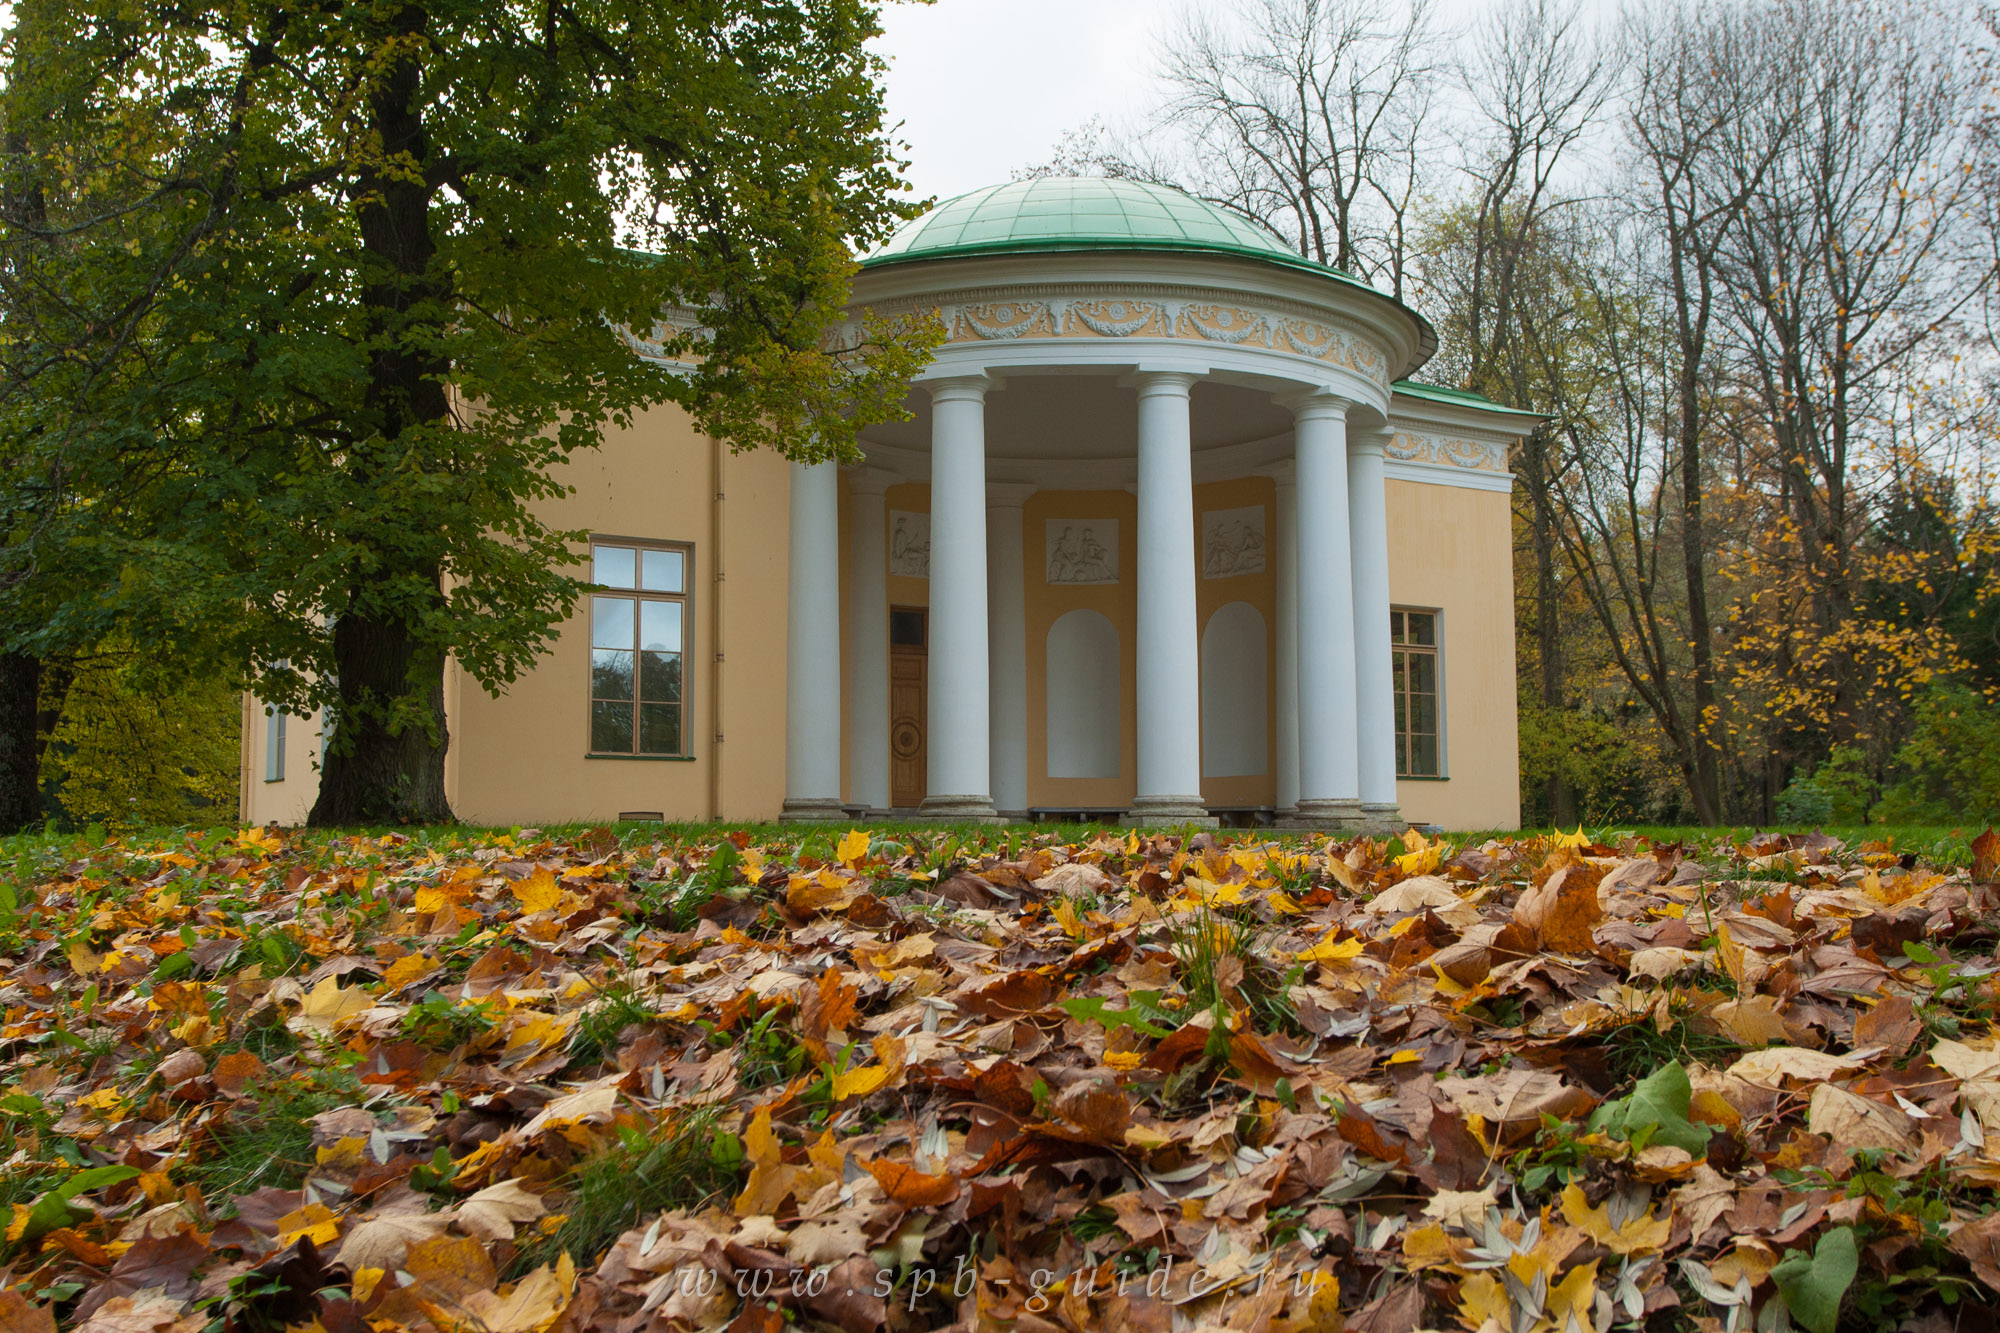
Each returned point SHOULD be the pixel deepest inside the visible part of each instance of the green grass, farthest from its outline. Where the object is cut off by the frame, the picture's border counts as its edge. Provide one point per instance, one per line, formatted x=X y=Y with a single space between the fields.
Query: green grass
x=676 y=1167
x=265 y=1143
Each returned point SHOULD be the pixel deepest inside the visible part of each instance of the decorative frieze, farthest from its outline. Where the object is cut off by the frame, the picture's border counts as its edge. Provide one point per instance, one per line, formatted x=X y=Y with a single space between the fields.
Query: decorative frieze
x=1409 y=446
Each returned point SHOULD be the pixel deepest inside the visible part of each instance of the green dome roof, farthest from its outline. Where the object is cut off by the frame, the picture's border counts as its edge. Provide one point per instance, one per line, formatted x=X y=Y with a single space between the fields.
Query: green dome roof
x=1081 y=213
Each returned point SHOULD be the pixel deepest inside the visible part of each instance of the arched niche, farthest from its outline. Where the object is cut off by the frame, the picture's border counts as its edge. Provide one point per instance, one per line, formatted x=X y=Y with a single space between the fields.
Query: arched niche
x=1084 y=709
x=1235 y=729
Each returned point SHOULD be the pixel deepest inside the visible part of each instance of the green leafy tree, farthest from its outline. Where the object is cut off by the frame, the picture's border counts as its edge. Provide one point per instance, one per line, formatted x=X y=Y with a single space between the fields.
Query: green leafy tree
x=348 y=280
x=130 y=750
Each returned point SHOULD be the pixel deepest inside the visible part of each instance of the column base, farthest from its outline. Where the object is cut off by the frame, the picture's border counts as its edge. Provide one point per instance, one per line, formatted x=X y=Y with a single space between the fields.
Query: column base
x=1334 y=816
x=1382 y=821
x=959 y=810
x=813 y=810
x=1153 y=811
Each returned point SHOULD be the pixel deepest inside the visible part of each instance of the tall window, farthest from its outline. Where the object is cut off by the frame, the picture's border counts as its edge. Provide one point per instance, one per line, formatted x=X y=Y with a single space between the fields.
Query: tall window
x=274 y=745
x=638 y=629
x=1414 y=637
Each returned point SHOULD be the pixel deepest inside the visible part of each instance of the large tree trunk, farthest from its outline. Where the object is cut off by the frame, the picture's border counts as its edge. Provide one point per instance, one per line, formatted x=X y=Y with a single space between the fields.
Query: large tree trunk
x=386 y=760
x=20 y=769
x=381 y=767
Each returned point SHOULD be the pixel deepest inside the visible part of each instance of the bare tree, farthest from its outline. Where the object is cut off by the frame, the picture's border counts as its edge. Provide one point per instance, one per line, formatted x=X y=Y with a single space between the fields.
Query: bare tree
x=1846 y=258
x=1538 y=84
x=1306 y=116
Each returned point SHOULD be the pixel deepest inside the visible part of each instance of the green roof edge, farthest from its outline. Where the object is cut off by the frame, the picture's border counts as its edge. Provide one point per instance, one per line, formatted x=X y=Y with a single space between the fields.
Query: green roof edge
x=1438 y=393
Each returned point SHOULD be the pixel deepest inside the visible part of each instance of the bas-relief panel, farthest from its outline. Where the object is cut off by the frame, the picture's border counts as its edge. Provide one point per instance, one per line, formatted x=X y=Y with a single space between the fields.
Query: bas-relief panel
x=1081 y=551
x=1200 y=321
x=1232 y=542
x=909 y=544
x=1408 y=446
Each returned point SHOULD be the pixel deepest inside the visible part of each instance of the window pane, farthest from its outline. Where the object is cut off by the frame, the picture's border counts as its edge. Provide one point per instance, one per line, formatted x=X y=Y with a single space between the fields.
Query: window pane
x=906 y=629
x=659 y=729
x=1423 y=714
x=1423 y=627
x=612 y=566
x=1402 y=707
x=610 y=674
x=1424 y=756
x=660 y=678
x=1396 y=627
x=611 y=622
x=1423 y=673
x=661 y=571
x=660 y=626
x=611 y=728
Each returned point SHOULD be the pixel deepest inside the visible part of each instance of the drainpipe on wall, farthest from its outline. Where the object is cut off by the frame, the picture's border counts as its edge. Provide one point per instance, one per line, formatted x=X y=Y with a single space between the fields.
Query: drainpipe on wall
x=715 y=629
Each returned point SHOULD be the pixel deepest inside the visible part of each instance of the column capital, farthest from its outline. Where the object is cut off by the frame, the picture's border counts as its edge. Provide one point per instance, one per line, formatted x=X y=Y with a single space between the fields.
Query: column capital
x=867 y=479
x=1308 y=404
x=1370 y=440
x=1008 y=494
x=1152 y=383
x=957 y=388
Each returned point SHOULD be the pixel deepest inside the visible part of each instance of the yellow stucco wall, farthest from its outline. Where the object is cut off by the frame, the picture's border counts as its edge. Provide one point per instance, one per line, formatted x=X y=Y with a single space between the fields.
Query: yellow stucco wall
x=1451 y=550
x=520 y=758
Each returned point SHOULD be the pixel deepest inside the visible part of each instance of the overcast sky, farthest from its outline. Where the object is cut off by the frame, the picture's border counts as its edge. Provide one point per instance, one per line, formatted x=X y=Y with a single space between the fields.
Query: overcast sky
x=986 y=86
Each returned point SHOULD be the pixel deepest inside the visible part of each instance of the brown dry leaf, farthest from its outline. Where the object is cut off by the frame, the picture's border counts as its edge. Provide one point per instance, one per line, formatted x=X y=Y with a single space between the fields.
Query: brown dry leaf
x=1892 y=1024
x=1426 y=891
x=1563 y=909
x=494 y=1212
x=1756 y=1021
x=20 y=1315
x=1854 y=1122
x=1772 y=1066
x=146 y=1312
x=384 y=1241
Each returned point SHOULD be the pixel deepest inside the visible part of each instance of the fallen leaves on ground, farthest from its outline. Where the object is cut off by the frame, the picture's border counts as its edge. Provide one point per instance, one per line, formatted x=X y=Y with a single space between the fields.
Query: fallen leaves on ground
x=537 y=1084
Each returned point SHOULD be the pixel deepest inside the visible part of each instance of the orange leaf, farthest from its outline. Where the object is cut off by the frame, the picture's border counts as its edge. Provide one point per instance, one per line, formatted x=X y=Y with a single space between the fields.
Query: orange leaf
x=911 y=1187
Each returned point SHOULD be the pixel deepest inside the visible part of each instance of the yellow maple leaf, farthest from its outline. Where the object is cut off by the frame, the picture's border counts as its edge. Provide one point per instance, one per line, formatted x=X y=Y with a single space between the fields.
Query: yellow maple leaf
x=82 y=961
x=1283 y=903
x=407 y=969
x=853 y=847
x=1641 y=1234
x=108 y=1102
x=315 y=1221
x=1124 y=1059
x=434 y=898
x=859 y=1082
x=1570 y=840
x=326 y=1004
x=539 y=892
x=1065 y=915
x=1422 y=861
x=1329 y=951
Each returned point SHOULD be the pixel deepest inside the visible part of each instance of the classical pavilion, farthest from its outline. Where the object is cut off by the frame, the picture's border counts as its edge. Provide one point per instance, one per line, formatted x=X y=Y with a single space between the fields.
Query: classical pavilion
x=1171 y=536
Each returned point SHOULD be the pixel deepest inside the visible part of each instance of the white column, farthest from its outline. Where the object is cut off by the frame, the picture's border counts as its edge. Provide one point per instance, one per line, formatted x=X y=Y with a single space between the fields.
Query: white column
x=1168 y=651
x=960 y=758
x=868 y=636
x=1285 y=549
x=1374 y=702
x=1007 y=612
x=812 y=647
x=1329 y=788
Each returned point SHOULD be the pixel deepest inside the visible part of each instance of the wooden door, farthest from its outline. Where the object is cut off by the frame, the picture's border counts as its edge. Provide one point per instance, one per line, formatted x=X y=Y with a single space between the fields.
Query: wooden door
x=909 y=662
